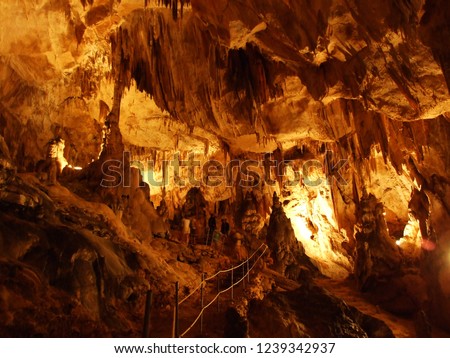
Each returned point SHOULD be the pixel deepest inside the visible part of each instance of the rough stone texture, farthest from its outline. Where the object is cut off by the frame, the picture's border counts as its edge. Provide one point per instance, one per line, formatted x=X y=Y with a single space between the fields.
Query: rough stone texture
x=311 y=312
x=70 y=268
x=300 y=80
x=376 y=253
x=287 y=252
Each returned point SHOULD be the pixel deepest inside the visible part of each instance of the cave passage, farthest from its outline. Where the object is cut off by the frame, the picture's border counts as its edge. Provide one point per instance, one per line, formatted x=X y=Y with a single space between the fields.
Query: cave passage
x=246 y=158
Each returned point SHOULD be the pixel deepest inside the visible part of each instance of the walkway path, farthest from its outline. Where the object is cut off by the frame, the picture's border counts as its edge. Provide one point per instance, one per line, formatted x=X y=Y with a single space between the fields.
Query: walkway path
x=214 y=315
x=347 y=291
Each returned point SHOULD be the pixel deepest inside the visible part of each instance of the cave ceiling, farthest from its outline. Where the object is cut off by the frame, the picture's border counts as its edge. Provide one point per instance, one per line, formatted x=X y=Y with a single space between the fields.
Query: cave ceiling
x=251 y=75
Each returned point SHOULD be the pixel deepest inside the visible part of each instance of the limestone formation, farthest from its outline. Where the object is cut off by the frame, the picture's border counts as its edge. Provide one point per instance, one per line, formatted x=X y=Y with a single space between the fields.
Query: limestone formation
x=287 y=252
x=172 y=110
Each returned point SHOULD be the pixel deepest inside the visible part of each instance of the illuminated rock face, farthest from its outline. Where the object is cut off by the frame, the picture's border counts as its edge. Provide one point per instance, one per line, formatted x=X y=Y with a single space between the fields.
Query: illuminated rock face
x=288 y=254
x=353 y=94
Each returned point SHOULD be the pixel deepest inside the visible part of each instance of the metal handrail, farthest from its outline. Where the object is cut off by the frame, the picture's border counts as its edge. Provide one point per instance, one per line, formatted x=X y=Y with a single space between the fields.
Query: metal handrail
x=225 y=290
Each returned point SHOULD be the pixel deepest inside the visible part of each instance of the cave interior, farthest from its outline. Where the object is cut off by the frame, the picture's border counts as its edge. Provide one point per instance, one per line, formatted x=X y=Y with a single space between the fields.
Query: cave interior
x=147 y=145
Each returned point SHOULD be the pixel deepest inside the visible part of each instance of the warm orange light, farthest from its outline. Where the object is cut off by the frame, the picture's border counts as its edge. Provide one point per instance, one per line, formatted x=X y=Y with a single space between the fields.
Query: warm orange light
x=315 y=226
x=74 y=168
x=411 y=242
x=300 y=227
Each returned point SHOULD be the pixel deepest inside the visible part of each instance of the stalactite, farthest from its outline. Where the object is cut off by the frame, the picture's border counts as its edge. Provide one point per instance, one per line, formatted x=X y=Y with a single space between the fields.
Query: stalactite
x=174 y=5
x=334 y=201
x=355 y=191
x=164 y=173
x=84 y=3
x=402 y=86
x=104 y=110
x=206 y=151
x=153 y=154
x=226 y=151
x=278 y=157
x=175 y=9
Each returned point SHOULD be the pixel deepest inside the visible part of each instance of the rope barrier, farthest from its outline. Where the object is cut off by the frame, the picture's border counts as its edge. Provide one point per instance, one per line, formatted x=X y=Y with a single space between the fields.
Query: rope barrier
x=232 y=268
x=225 y=290
x=219 y=272
x=196 y=289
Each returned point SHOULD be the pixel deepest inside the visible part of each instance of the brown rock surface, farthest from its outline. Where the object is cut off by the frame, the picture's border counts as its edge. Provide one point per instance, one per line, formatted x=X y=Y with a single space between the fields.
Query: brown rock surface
x=351 y=97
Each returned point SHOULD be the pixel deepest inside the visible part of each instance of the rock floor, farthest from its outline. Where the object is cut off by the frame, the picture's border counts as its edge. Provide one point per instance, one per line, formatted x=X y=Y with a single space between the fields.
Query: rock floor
x=346 y=290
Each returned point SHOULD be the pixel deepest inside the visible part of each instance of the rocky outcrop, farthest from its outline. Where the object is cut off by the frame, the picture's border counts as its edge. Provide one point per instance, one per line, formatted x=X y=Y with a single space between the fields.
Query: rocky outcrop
x=70 y=268
x=311 y=312
x=380 y=268
x=377 y=256
x=316 y=83
x=287 y=252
